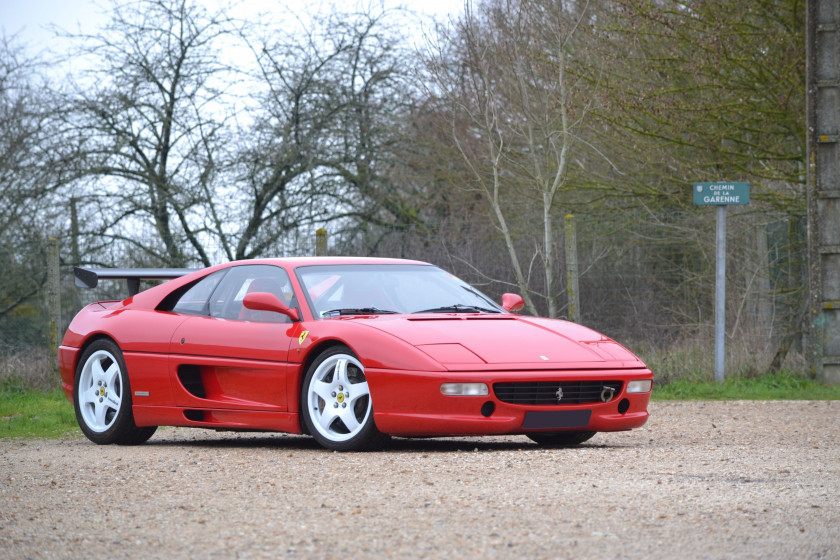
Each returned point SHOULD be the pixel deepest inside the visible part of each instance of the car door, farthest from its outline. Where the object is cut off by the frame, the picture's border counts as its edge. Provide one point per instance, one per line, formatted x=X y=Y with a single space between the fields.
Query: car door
x=227 y=356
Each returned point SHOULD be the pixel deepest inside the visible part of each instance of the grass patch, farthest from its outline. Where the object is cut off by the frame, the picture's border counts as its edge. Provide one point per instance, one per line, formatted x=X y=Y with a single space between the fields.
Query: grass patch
x=31 y=413
x=778 y=386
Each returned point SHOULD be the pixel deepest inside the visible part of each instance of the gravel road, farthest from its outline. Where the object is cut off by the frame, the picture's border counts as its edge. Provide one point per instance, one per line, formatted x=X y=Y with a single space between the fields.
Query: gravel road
x=700 y=480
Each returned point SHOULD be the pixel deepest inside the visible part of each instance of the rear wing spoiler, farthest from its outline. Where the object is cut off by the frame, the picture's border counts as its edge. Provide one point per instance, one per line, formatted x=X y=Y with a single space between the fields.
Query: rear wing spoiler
x=89 y=277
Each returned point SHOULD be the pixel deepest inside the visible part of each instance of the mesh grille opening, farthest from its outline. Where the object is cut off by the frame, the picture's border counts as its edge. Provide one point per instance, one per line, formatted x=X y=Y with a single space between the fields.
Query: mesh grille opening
x=547 y=392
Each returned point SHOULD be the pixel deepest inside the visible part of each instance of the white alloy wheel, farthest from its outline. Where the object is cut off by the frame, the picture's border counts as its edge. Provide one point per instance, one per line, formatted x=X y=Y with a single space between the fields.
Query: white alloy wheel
x=102 y=397
x=339 y=398
x=100 y=391
x=336 y=402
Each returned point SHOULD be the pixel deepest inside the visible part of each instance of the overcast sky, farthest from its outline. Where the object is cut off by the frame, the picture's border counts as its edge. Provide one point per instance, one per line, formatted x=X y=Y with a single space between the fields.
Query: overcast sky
x=29 y=18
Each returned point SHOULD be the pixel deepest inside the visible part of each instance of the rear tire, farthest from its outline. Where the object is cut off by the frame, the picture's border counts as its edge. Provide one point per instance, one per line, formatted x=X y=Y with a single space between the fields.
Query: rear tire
x=102 y=397
x=560 y=439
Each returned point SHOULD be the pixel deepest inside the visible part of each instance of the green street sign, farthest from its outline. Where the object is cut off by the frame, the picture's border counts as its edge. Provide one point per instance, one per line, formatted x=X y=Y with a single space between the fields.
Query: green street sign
x=721 y=193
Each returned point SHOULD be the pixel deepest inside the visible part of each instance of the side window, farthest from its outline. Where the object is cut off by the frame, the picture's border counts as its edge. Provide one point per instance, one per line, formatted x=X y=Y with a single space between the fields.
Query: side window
x=195 y=300
x=226 y=302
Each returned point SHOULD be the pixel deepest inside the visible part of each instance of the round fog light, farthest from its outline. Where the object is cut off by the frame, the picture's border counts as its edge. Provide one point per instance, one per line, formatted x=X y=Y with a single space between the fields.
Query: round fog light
x=623 y=406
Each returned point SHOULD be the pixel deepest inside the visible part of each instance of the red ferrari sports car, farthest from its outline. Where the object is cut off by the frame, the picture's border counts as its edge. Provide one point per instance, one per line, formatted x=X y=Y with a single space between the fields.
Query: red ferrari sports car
x=348 y=350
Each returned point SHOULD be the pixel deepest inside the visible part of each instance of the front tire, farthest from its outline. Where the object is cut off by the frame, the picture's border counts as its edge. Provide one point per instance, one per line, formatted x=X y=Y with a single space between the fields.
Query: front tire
x=560 y=439
x=336 y=405
x=102 y=397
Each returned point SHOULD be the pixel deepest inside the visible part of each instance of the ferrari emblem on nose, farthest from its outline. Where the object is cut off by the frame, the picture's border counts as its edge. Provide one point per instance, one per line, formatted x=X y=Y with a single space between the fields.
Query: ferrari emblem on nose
x=559 y=393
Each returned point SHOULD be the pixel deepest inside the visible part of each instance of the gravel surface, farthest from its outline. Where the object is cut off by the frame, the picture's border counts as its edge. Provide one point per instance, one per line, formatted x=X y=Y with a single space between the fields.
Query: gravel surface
x=700 y=480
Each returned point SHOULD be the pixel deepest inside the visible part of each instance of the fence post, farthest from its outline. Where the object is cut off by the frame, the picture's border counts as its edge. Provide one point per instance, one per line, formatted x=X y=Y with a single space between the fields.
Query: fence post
x=321 y=242
x=74 y=231
x=572 y=269
x=53 y=299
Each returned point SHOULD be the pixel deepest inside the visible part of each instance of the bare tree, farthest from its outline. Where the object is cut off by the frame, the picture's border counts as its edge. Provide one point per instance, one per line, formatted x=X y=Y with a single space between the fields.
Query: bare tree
x=325 y=143
x=28 y=174
x=149 y=116
x=516 y=116
x=279 y=160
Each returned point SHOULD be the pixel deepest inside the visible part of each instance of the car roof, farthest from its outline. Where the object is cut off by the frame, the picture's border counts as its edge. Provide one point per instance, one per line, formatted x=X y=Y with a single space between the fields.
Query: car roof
x=305 y=261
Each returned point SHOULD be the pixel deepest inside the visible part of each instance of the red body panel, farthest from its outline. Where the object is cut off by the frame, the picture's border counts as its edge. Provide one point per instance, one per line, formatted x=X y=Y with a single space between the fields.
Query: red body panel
x=227 y=419
x=188 y=370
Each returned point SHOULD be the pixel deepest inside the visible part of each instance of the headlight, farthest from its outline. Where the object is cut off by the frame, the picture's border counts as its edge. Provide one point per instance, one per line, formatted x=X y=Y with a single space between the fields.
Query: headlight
x=641 y=386
x=465 y=389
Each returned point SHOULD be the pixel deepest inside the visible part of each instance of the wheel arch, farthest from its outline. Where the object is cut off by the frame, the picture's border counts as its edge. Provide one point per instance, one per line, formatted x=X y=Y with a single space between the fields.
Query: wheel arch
x=374 y=349
x=87 y=343
x=319 y=348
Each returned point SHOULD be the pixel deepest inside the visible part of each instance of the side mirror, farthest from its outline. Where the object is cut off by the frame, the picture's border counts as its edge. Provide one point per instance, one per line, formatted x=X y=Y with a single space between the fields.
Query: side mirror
x=512 y=303
x=264 y=301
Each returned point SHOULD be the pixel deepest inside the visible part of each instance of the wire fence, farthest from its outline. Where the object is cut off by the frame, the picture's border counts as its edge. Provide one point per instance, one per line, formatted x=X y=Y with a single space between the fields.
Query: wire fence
x=646 y=280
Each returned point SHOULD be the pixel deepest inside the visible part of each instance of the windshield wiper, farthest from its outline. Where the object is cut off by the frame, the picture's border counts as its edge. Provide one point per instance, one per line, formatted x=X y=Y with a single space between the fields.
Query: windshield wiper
x=458 y=308
x=356 y=311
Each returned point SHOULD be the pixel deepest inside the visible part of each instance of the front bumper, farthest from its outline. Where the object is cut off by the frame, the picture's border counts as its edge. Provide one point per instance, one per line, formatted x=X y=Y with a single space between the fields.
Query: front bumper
x=411 y=404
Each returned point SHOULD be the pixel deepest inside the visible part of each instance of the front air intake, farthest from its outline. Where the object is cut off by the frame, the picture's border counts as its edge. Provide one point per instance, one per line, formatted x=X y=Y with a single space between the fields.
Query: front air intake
x=557 y=392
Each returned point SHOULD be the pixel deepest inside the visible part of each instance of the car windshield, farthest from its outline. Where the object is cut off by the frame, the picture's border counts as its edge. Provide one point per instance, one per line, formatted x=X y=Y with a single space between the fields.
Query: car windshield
x=374 y=289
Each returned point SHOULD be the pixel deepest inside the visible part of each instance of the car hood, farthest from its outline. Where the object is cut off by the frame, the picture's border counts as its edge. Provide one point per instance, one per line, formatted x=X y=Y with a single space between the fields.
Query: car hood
x=461 y=341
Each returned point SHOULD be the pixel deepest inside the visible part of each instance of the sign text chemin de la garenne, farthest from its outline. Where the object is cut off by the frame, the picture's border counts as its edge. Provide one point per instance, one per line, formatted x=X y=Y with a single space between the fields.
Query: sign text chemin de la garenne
x=721 y=193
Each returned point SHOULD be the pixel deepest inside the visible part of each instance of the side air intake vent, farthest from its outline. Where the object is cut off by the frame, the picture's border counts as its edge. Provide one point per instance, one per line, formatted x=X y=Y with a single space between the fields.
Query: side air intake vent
x=190 y=377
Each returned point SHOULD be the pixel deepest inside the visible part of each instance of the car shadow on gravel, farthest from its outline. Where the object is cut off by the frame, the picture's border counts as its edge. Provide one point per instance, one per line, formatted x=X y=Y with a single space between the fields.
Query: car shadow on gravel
x=242 y=440
x=235 y=440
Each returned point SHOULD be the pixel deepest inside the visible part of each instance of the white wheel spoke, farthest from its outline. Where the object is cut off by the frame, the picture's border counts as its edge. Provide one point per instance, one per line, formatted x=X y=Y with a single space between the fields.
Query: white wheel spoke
x=111 y=377
x=340 y=375
x=97 y=374
x=113 y=399
x=357 y=390
x=326 y=418
x=99 y=413
x=322 y=389
x=90 y=396
x=349 y=418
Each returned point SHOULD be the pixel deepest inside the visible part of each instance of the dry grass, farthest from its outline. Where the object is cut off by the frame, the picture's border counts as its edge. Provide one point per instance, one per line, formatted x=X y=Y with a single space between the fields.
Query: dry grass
x=28 y=367
x=694 y=361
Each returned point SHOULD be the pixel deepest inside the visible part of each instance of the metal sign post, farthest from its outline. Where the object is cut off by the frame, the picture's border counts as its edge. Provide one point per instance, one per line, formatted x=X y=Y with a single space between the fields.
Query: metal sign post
x=720 y=294
x=720 y=194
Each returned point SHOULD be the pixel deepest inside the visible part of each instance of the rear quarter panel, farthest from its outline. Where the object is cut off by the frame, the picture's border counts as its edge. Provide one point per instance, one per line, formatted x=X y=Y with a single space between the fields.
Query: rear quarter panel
x=143 y=335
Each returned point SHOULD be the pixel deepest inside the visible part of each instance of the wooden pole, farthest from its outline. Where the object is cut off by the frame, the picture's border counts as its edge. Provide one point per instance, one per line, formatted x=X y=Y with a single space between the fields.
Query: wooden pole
x=53 y=298
x=572 y=269
x=321 y=242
